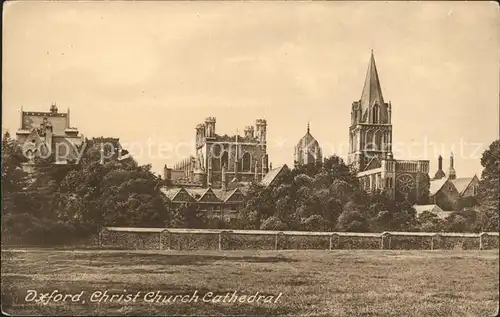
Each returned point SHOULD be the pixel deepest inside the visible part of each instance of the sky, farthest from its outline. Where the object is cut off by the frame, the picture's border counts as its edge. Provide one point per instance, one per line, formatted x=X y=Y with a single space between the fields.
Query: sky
x=149 y=72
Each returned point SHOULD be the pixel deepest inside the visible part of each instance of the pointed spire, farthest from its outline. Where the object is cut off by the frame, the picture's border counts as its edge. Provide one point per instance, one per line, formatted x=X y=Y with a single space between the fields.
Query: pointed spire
x=372 y=92
x=308 y=129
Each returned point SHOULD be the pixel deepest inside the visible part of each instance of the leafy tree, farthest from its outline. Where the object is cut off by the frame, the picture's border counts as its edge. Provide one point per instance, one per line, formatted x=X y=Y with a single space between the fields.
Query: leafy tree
x=189 y=215
x=429 y=222
x=489 y=188
x=274 y=223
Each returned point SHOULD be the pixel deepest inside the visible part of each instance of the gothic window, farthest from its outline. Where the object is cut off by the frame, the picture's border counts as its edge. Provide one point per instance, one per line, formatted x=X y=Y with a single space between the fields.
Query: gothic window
x=369 y=141
x=377 y=140
x=216 y=150
x=246 y=162
x=216 y=166
x=224 y=159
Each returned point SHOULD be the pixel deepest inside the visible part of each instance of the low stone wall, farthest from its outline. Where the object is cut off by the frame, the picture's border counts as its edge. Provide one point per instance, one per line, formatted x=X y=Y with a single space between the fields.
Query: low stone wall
x=232 y=241
x=186 y=239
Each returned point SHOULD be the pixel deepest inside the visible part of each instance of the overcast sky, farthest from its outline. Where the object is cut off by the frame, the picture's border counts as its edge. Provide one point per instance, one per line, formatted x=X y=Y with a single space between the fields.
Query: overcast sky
x=148 y=72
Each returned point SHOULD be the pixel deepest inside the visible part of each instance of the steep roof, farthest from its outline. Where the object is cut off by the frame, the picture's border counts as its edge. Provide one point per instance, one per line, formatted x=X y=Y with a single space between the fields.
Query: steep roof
x=225 y=195
x=196 y=193
x=272 y=174
x=462 y=183
x=170 y=192
x=436 y=185
x=372 y=91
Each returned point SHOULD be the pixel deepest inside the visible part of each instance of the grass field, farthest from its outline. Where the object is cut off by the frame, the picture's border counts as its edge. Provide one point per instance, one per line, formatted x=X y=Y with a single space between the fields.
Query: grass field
x=313 y=283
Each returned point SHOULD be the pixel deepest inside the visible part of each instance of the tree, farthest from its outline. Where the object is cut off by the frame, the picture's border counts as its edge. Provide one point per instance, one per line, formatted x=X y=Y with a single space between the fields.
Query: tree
x=273 y=223
x=352 y=219
x=429 y=222
x=14 y=182
x=188 y=215
x=488 y=192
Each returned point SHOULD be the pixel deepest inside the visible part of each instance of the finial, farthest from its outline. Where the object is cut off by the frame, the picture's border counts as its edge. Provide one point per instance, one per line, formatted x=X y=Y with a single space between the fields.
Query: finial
x=308 y=128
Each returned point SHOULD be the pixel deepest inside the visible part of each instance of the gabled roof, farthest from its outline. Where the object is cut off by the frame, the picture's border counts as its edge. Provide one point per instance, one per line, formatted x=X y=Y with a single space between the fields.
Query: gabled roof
x=233 y=195
x=178 y=195
x=272 y=175
x=196 y=193
x=209 y=197
x=436 y=185
x=462 y=183
x=170 y=192
x=372 y=92
x=430 y=208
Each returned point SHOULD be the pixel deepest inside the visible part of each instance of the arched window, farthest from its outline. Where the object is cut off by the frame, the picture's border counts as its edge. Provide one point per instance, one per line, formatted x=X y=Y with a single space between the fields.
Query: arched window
x=369 y=138
x=377 y=140
x=224 y=159
x=246 y=162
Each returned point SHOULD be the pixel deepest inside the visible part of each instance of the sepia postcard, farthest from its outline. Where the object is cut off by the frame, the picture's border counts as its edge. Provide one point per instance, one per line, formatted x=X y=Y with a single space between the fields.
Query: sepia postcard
x=250 y=158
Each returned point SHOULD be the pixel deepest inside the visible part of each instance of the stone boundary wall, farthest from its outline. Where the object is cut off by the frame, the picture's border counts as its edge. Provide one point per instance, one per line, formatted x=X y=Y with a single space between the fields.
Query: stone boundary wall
x=211 y=239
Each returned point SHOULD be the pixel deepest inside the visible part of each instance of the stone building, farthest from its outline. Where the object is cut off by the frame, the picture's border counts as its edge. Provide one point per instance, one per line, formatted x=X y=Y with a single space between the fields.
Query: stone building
x=370 y=144
x=43 y=133
x=218 y=176
x=222 y=203
x=307 y=150
x=221 y=160
x=446 y=191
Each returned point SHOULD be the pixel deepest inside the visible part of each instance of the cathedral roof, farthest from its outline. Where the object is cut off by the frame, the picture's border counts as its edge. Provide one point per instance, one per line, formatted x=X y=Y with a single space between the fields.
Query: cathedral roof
x=372 y=92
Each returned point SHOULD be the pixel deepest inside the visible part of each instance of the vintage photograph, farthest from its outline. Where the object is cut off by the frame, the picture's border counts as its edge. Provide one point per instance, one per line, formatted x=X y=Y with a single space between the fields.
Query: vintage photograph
x=250 y=158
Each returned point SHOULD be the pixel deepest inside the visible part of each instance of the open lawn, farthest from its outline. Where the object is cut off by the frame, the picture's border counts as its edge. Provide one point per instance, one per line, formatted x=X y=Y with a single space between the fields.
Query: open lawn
x=313 y=283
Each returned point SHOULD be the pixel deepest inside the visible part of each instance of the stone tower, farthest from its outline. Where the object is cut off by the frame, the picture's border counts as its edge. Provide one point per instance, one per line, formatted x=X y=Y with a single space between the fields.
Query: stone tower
x=370 y=133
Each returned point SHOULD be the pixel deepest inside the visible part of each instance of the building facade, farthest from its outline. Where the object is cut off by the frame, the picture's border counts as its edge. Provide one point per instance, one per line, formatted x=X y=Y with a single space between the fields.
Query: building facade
x=370 y=145
x=44 y=133
x=223 y=159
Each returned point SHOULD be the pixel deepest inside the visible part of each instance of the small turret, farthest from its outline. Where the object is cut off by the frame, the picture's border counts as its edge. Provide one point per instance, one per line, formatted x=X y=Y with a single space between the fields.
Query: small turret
x=439 y=173
x=451 y=173
x=261 y=125
x=167 y=175
x=210 y=127
x=249 y=132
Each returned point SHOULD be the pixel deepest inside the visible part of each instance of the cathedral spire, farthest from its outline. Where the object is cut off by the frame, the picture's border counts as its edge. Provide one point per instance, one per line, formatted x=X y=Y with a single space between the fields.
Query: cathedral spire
x=372 y=92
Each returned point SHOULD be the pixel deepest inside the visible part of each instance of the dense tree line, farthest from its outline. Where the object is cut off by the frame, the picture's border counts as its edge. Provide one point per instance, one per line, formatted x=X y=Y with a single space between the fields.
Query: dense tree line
x=61 y=203
x=58 y=203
